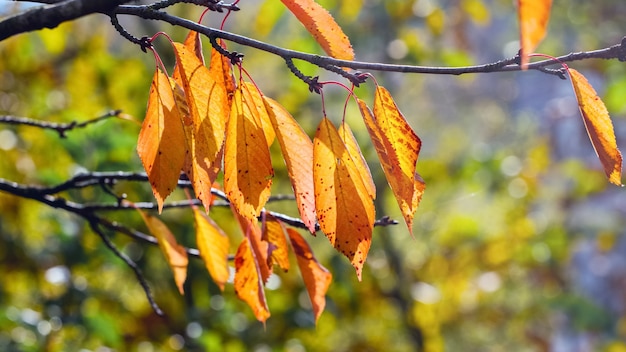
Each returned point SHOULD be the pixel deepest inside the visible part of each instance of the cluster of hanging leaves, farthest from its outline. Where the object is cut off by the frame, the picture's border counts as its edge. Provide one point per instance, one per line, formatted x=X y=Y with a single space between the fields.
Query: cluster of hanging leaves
x=202 y=121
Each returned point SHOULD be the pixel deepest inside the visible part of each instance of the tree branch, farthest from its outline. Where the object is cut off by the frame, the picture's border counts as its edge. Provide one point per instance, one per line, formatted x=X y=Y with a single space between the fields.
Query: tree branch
x=60 y=128
x=617 y=51
x=50 y=16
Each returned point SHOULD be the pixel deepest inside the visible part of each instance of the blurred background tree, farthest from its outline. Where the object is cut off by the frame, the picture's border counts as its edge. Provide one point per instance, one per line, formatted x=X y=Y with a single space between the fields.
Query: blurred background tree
x=519 y=241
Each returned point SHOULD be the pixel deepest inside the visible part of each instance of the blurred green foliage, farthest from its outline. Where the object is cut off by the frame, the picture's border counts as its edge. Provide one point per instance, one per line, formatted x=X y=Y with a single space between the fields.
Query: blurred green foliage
x=516 y=232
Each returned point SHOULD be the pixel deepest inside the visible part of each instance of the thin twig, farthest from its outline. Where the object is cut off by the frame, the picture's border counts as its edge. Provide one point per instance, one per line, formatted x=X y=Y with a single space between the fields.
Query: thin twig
x=60 y=128
x=130 y=263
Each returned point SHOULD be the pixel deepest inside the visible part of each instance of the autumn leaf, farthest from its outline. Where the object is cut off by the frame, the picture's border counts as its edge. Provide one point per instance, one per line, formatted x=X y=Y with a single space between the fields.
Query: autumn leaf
x=248 y=287
x=206 y=101
x=344 y=207
x=213 y=245
x=599 y=126
x=194 y=44
x=297 y=150
x=260 y=247
x=161 y=138
x=248 y=169
x=221 y=72
x=322 y=27
x=398 y=148
x=316 y=278
x=533 y=18
x=257 y=105
x=274 y=234
x=355 y=153
x=175 y=254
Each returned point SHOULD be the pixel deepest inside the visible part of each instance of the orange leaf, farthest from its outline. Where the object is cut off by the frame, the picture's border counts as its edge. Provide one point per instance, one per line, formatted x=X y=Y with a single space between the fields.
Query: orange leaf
x=322 y=27
x=162 y=139
x=248 y=287
x=221 y=68
x=193 y=43
x=533 y=18
x=599 y=127
x=344 y=208
x=175 y=254
x=247 y=165
x=206 y=100
x=297 y=150
x=316 y=278
x=274 y=235
x=252 y=95
x=397 y=147
x=213 y=245
x=355 y=153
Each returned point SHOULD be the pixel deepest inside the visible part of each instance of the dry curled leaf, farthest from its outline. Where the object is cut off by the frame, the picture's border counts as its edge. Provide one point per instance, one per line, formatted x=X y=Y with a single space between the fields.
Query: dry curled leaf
x=398 y=147
x=599 y=126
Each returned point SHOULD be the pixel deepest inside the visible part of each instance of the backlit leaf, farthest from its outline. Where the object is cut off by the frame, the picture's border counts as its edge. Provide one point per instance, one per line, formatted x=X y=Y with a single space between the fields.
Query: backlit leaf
x=194 y=44
x=248 y=287
x=175 y=254
x=213 y=245
x=274 y=235
x=344 y=208
x=248 y=169
x=260 y=247
x=162 y=139
x=398 y=148
x=322 y=27
x=221 y=72
x=297 y=150
x=316 y=278
x=206 y=101
x=355 y=153
x=533 y=18
x=599 y=126
x=251 y=94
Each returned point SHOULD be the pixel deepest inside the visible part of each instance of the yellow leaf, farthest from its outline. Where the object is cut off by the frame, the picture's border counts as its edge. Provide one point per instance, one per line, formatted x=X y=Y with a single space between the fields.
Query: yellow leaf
x=248 y=287
x=248 y=169
x=533 y=18
x=257 y=106
x=221 y=72
x=297 y=150
x=175 y=254
x=213 y=245
x=161 y=139
x=316 y=278
x=344 y=208
x=599 y=126
x=193 y=44
x=206 y=100
x=274 y=235
x=260 y=247
x=398 y=148
x=322 y=27
x=355 y=153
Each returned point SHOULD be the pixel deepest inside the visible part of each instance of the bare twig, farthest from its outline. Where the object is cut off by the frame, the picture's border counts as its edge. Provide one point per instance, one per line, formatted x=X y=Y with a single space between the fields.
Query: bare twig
x=140 y=278
x=60 y=128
